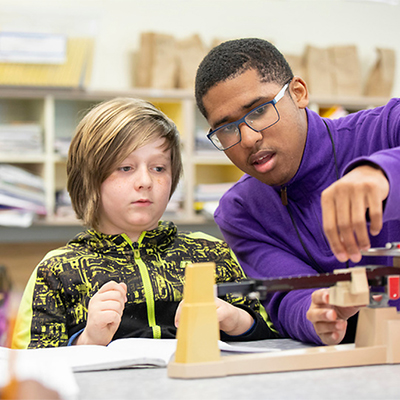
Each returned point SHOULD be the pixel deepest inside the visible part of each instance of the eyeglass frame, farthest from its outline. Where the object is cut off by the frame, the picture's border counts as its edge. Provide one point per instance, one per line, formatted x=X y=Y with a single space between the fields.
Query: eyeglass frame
x=278 y=97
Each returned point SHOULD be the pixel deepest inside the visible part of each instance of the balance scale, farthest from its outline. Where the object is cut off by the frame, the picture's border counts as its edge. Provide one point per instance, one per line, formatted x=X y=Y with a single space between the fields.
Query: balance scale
x=377 y=336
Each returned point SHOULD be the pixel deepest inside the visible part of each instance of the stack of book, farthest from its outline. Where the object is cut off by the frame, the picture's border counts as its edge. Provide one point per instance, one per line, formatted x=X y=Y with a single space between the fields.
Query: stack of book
x=35 y=59
x=21 y=139
x=22 y=196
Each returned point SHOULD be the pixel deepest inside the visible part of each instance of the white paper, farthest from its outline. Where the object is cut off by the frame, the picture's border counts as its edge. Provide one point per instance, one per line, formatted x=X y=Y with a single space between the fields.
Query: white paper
x=32 y=48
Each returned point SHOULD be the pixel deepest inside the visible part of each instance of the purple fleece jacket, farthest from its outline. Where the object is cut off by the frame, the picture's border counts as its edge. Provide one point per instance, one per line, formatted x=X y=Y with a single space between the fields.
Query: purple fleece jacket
x=259 y=229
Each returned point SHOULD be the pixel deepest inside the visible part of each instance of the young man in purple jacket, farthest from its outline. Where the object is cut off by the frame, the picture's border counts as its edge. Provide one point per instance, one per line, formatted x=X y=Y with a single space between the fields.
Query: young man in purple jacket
x=315 y=191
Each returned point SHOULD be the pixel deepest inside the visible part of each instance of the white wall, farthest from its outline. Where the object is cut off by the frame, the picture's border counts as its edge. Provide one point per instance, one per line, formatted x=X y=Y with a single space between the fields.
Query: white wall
x=290 y=24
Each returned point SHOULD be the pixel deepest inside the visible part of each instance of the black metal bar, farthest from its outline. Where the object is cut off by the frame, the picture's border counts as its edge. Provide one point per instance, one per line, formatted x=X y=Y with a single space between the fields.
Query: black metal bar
x=376 y=276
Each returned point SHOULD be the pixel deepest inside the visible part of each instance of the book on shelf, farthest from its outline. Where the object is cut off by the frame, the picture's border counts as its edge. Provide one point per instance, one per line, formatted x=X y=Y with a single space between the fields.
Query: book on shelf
x=19 y=218
x=22 y=196
x=13 y=202
x=19 y=176
x=21 y=138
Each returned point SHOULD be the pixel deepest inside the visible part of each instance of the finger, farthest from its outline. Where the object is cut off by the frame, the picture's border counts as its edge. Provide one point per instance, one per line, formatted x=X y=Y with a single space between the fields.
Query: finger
x=354 y=232
x=358 y=211
x=327 y=328
x=224 y=310
x=321 y=315
x=112 y=305
x=375 y=214
x=178 y=314
x=320 y=297
x=330 y=226
x=332 y=334
x=124 y=289
x=219 y=302
x=110 y=285
x=111 y=295
x=345 y=205
x=114 y=286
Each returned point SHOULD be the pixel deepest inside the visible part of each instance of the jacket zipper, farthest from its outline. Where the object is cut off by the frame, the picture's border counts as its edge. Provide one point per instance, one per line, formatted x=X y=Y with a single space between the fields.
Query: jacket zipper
x=148 y=288
x=284 y=199
x=285 y=202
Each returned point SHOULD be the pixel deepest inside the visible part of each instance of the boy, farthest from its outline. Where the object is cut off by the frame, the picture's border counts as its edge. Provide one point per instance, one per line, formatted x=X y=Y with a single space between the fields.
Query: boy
x=124 y=276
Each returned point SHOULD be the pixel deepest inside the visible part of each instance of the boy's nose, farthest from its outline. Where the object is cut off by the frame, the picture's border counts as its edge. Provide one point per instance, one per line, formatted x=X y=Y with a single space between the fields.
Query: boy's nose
x=143 y=179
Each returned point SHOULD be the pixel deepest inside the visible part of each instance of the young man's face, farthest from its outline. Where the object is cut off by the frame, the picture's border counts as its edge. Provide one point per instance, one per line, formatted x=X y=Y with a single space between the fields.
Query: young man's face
x=272 y=156
x=135 y=195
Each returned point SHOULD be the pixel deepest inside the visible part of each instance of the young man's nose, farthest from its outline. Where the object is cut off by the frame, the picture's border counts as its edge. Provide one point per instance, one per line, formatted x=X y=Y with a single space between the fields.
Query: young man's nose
x=249 y=136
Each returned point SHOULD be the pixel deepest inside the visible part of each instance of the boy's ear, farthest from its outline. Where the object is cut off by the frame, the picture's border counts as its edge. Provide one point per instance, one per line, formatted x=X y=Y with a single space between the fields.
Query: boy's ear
x=299 y=92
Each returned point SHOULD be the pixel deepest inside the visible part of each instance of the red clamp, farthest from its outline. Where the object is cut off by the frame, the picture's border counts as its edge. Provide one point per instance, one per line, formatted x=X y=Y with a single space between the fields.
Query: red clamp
x=393 y=285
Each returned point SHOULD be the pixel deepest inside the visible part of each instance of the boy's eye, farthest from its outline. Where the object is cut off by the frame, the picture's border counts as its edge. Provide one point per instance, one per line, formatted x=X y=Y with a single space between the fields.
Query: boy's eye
x=159 y=169
x=125 y=169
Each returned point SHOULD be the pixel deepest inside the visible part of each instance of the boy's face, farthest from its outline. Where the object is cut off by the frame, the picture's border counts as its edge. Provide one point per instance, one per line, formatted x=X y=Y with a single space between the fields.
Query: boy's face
x=136 y=194
x=272 y=156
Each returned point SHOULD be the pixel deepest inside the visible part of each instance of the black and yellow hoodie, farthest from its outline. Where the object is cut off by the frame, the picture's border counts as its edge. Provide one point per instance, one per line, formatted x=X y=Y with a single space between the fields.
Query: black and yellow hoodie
x=55 y=302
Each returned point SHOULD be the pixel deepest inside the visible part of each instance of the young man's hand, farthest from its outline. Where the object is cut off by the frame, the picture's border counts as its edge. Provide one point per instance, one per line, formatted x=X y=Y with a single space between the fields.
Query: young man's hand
x=344 y=206
x=330 y=322
x=232 y=320
x=104 y=314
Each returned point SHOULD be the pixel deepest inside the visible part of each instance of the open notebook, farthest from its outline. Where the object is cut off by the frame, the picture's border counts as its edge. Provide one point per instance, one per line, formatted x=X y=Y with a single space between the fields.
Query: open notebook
x=121 y=353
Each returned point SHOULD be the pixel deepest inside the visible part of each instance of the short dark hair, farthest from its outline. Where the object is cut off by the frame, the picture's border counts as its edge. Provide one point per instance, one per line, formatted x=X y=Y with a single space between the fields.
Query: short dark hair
x=232 y=58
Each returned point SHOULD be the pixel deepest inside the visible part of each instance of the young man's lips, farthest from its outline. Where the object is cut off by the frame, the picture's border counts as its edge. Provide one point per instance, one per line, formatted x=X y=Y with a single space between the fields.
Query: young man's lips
x=261 y=158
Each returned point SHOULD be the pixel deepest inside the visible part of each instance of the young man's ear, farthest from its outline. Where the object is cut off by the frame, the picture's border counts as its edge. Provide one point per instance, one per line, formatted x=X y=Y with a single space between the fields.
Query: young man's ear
x=299 y=92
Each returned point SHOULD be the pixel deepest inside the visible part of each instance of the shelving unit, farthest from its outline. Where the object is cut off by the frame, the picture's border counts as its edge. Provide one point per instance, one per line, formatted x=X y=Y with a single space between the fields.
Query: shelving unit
x=59 y=111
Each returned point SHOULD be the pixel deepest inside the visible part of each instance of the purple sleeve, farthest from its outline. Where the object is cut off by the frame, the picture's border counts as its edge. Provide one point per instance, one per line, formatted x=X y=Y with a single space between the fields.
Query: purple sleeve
x=389 y=162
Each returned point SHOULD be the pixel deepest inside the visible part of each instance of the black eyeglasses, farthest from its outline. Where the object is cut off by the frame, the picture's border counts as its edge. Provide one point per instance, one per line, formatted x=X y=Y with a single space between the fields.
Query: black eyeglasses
x=258 y=119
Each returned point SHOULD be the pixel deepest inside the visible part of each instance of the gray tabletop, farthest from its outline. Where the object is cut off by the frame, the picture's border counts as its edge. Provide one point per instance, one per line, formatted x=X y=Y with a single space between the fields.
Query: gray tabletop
x=370 y=382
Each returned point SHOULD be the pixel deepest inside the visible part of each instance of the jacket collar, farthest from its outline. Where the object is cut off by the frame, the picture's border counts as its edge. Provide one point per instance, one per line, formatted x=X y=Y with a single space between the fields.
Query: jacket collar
x=317 y=167
x=118 y=244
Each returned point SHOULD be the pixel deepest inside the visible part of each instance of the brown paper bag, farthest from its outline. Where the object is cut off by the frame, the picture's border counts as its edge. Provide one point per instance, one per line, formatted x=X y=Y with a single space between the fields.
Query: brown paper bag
x=318 y=68
x=381 y=77
x=156 y=61
x=190 y=52
x=296 y=64
x=346 y=71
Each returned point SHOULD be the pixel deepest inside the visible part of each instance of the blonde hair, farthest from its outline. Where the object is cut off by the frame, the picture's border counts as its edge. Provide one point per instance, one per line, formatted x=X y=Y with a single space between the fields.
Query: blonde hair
x=104 y=138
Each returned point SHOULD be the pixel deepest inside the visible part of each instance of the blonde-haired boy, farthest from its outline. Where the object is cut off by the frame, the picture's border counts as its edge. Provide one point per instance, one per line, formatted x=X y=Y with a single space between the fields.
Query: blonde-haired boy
x=124 y=275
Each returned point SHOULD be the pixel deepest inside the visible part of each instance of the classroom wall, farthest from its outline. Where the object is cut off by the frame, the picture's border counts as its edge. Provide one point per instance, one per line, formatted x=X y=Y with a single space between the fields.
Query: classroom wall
x=290 y=24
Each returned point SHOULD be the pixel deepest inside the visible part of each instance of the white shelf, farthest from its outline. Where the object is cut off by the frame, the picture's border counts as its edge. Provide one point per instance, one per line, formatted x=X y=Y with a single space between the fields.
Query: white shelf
x=58 y=111
x=353 y=103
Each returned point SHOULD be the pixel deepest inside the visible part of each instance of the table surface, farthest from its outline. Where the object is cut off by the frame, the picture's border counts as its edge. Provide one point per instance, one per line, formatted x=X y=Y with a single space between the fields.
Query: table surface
x=368 y=382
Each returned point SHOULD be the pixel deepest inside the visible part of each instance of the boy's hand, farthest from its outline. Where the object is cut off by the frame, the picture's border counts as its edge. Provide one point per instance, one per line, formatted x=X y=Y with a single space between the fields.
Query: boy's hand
x=232 y=320
x=104 y=314
x=344 y=206
x=330 y=322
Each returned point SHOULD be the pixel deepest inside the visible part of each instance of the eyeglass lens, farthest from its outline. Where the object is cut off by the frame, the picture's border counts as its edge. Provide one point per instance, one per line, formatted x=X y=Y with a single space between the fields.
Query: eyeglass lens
x=259 y=119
